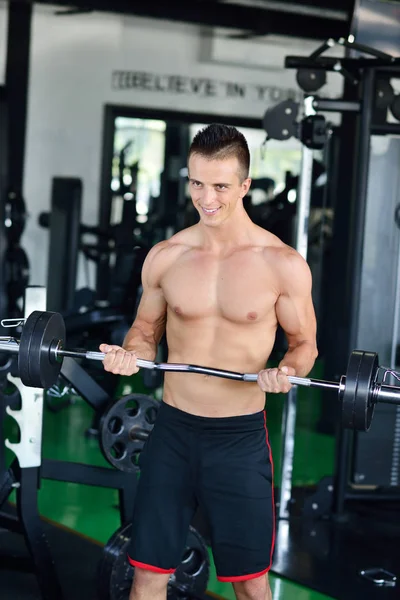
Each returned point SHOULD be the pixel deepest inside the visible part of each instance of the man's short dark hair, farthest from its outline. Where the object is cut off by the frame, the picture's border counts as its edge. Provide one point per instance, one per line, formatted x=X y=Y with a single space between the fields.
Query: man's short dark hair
x=220 y=142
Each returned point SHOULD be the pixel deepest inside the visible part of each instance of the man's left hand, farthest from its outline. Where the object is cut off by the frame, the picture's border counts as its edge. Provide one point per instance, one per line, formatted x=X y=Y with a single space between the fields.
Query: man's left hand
x=275 y=381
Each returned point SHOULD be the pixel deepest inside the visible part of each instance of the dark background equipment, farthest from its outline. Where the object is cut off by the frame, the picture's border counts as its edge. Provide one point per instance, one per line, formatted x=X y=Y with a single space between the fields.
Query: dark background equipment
x=13 y=107
x=64 y=220
x=24 y=475
x=365 y=481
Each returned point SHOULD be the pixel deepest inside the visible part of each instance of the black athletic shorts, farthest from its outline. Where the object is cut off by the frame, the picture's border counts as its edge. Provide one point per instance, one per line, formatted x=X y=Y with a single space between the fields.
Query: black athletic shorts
x=223 y=464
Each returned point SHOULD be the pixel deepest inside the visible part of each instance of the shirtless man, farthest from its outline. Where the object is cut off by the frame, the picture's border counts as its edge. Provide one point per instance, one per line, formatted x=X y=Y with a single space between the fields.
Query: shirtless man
x=218 y=289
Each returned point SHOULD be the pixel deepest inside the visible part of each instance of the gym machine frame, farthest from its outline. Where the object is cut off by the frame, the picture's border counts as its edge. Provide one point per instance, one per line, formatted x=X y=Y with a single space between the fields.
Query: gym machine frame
x=357 y=103
x=25 y=476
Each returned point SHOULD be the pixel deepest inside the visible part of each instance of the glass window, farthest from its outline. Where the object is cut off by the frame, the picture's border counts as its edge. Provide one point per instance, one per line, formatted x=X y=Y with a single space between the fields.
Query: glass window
x=138 y=162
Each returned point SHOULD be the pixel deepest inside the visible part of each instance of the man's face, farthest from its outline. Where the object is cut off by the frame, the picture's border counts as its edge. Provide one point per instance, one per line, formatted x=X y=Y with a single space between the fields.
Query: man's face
x=215 y=187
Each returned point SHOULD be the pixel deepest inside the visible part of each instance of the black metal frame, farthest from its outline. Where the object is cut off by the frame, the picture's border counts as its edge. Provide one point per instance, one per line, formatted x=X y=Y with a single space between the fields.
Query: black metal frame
x=14 y=102
x=29 y=523
x=64 y=242
x=84 y=384
x=17 y=83
x=3 y=191
x=360 y=120
x=254 y=19
x=366 y=127
x=27 y=481
x=112 y=111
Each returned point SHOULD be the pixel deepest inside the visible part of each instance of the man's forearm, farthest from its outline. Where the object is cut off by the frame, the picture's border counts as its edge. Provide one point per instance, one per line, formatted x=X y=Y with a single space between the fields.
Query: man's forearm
x=144 y=345
x=301 y=358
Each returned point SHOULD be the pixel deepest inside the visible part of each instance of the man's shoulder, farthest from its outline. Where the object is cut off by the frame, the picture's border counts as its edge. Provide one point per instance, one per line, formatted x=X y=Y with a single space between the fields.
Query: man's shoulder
x=166 y=252
x=180 y=242
x=283 y=258
x=286 y=255
x=185 y=238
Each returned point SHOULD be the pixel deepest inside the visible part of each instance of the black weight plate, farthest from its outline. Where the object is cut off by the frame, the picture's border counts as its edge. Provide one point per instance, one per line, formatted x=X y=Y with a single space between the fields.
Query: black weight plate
x=47 y=332
x=191 y=577
x=363 y=404
x=311 y=80
x=384 y=94
x=115 y=573
x=348 y=395
x=16 y=213
x=124 y=428
x=16 y=271
x=395 y=107
x=25 y=346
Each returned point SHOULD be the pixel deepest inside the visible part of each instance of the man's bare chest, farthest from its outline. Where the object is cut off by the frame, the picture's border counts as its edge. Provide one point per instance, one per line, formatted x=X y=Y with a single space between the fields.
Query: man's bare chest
x=241 y=289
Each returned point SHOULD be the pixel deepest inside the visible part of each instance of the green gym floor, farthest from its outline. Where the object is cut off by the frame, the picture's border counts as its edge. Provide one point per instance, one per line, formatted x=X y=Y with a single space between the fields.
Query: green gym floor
x=92 y=511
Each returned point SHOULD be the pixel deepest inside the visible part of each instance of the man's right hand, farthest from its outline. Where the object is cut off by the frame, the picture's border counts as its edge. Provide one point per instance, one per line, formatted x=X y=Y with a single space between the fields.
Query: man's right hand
x=275 y=380
x=119 y=361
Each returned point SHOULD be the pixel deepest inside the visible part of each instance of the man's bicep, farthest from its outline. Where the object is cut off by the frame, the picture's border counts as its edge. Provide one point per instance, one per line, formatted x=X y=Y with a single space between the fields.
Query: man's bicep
x=296 y=316
x=151 y=313
x=294 y=308
x=152 y=308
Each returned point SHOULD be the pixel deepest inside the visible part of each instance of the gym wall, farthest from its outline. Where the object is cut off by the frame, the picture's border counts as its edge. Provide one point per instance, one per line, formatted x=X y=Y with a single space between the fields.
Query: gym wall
x=73 y=59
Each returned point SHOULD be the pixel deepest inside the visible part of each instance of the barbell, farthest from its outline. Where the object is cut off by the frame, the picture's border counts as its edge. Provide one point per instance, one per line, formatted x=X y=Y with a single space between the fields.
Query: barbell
x=41 y=350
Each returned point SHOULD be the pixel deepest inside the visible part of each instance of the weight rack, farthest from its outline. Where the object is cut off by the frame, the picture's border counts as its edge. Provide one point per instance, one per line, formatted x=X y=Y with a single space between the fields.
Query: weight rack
x=28 y=470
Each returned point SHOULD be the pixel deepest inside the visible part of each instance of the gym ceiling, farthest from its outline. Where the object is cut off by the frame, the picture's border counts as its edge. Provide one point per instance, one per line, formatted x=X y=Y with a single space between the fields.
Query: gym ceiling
x=243 y=19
